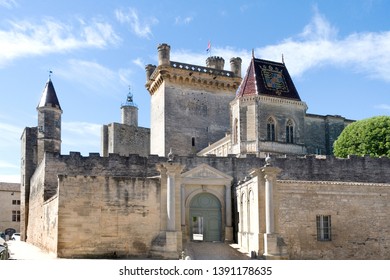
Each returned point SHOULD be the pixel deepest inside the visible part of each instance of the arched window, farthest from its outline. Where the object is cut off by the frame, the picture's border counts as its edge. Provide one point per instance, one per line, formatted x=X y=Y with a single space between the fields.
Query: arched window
x=289 y=132
x=235 y=131
x=271 y=129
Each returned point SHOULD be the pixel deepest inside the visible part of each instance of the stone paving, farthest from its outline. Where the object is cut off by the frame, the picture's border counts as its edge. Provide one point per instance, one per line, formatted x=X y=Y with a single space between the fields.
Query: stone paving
x=20 y=250
x=214 y=251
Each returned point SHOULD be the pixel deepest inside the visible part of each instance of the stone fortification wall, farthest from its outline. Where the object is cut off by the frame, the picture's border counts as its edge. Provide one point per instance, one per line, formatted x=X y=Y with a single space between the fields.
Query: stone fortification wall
x=359 y=219
x=307 y=168
x=107 y=217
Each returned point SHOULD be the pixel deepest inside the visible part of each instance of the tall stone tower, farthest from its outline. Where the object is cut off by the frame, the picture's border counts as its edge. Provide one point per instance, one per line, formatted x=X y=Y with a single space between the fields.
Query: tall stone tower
x=49 y=122
x=189 y=103
x=35 y=142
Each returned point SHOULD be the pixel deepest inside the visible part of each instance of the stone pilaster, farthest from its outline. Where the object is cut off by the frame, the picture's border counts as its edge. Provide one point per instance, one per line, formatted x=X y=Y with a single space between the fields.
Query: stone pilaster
x=273 y=244
x=171 y=209
x=228 y=214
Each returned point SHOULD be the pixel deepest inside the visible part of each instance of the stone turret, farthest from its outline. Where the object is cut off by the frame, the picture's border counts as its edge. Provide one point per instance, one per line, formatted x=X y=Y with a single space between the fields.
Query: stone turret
x=235 y=66
x=149 y=71
x=49 y=122
x=129 y=111
x=164 y=55
x=215 y=62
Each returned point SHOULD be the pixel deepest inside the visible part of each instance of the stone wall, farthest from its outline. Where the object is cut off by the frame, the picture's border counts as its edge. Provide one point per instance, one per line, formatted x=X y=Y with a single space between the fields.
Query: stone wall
x=359 y=219
x=188 y=114
x=124 y=140
x=27 y=168
x=353 y=169
x=322 y=131
x=107 y=217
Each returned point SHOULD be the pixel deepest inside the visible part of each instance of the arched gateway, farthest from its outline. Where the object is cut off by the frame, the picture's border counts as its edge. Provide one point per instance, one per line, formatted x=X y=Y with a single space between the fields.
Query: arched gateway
x=205 y=218
x=206 y=213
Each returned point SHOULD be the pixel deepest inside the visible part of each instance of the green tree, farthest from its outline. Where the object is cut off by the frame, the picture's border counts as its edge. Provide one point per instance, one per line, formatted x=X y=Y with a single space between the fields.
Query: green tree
x=366 y=137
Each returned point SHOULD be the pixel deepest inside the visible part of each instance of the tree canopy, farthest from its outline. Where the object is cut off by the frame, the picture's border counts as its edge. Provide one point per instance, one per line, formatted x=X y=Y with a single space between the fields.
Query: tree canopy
x=365 y=137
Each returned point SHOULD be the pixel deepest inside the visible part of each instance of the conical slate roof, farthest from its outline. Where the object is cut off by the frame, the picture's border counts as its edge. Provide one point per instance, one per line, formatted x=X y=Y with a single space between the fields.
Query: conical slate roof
x=49 y=96
x=269 y=78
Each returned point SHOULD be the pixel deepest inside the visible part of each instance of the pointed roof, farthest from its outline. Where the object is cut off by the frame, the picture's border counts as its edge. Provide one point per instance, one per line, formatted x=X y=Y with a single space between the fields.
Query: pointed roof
x=49 y=96
x=269 y=78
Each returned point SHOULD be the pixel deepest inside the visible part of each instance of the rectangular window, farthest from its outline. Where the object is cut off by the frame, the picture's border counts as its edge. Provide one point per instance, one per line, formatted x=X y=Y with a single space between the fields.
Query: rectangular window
x=15 y=202
x=16 y=216
x=323 y=228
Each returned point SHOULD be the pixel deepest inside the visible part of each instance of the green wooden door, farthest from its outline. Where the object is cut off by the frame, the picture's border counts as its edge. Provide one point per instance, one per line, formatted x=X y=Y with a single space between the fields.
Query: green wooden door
x=205 y=218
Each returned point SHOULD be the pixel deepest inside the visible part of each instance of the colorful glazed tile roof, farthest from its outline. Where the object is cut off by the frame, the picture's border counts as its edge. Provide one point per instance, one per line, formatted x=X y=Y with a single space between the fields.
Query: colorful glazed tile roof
x=271 y=78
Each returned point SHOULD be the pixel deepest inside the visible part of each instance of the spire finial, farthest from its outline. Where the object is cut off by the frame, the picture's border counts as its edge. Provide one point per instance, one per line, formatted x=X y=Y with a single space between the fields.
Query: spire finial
x=50 y=72
x=282 y=58
x=129 y=99
x=253 y=53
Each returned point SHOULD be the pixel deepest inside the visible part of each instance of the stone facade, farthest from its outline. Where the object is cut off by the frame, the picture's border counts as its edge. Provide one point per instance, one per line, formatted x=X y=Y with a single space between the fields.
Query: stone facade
x=357 y=211
x=142 y=199
x=10 y=214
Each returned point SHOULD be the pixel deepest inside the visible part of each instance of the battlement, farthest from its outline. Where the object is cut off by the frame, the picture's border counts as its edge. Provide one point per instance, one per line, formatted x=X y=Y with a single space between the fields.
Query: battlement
x=301 y=168
x=202 y=69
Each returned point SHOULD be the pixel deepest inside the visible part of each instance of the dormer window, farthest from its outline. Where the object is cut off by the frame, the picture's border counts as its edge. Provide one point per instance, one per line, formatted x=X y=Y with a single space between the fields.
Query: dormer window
x=271 y=129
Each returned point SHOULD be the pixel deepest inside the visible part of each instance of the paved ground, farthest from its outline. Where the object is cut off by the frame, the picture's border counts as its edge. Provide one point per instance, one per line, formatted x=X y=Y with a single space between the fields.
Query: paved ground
x=20 y=250
x=214 y=251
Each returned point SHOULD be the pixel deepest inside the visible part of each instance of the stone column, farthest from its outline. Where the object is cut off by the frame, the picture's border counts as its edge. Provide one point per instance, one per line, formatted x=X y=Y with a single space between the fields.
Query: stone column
x=269 y=202
x=171 y=200
x=170 y=211
x=272 y=250
x=228 y=213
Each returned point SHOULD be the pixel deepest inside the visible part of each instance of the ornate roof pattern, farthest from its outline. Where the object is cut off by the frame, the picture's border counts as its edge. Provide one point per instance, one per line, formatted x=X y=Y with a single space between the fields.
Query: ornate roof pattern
x=269 y=78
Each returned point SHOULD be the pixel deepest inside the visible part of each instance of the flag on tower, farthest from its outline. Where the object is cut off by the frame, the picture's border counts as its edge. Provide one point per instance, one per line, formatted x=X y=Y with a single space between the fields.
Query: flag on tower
x=208 y=47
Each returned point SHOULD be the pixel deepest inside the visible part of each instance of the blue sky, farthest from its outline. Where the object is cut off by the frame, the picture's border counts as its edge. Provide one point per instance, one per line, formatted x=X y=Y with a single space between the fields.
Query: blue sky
x=337 y=52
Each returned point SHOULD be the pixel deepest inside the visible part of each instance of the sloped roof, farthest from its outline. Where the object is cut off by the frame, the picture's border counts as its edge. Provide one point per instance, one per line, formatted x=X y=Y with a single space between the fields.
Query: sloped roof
x=49 y=96
x=270 y=78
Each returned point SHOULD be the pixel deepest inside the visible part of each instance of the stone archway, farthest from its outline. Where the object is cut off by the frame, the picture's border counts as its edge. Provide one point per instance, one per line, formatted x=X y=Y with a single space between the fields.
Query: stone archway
x=205 y=218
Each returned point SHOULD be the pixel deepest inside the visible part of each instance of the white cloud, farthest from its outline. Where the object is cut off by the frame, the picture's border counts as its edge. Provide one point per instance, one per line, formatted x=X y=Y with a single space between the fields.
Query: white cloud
x=141 y=28
x=5 y=164
x=139 y=62
x=9 y=4
x=183 y=20
x=383 y=107
x=9 y=135
x=25 y=38
x=90 y=74
x=81 y=136
x=15 y=178
x=318 y=44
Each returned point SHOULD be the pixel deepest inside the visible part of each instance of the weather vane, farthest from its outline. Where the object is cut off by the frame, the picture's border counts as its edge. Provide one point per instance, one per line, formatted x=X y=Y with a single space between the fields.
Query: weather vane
x=50 y=72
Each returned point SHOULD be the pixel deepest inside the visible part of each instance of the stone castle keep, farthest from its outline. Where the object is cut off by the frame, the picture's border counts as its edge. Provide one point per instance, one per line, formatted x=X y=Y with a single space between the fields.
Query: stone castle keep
x=227 y=158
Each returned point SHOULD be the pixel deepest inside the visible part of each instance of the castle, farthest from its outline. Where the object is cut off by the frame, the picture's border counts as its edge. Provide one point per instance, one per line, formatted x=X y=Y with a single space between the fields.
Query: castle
x=226 y=159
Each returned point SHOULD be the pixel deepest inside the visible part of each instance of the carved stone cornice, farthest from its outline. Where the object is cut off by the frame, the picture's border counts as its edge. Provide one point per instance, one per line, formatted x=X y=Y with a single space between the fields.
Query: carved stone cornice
x=196 y=76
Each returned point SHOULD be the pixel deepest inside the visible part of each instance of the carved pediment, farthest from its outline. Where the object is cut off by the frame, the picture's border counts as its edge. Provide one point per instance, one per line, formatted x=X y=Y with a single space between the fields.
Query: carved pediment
x=205 y=171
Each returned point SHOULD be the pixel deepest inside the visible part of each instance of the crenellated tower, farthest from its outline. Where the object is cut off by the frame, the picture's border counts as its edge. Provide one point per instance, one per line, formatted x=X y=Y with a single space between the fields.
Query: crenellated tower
x=189 y=103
